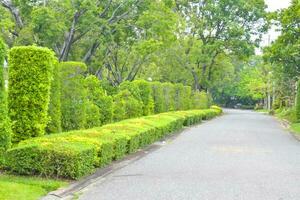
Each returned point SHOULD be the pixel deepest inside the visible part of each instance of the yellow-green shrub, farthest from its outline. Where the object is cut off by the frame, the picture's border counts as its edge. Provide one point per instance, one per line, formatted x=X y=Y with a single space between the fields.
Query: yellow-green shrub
x=126 y=106
x=5 y=125
x=76 y=153
x=145 y=90
x=98 y=96
x=73 y=95
x=200 y=100
x=30 y=75
x=168 y=96
x=54 y=112
x=158 y=97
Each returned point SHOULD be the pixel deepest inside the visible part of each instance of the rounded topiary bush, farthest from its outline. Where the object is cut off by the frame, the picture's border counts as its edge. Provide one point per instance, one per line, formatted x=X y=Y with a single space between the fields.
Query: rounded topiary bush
x=73 y=95
x=30 y=75
x=5 y=125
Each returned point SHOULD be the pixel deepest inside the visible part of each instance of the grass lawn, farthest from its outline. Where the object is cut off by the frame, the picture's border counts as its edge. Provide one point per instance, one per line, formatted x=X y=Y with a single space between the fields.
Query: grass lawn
x=26 y=188
x=295 y=128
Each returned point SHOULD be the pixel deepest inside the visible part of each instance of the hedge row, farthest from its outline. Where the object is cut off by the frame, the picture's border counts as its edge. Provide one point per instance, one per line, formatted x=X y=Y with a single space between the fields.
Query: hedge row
x=76 y=153
x=84 y=103
x=46 y=96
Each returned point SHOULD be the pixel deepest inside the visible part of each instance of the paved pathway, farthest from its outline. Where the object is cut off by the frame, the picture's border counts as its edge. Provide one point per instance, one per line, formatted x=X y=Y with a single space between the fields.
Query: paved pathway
x=242 y=155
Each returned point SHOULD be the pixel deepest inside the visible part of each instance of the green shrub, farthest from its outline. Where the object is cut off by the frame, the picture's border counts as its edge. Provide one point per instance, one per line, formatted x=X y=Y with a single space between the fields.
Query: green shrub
x=158 y=97
x=200 y=100
x=169 y=96
x=187 y=98
x=54 y=112
x=144 y=89
x=98 y=96
x=73 y=95
x=74 y=154
x=179 y=98
x=132 y=88
x=30 y=75
x=5 y=125
x=126 y=106
x=53 y=159
x=216 y=108
x=298 y=103
x=93 y=115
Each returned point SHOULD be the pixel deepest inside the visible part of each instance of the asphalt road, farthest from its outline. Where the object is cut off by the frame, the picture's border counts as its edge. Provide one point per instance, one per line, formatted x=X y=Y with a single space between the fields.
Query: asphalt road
x=242 y=155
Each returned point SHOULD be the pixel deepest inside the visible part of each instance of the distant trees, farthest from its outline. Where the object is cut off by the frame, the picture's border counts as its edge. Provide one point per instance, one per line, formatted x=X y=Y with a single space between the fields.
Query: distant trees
x=169 y=40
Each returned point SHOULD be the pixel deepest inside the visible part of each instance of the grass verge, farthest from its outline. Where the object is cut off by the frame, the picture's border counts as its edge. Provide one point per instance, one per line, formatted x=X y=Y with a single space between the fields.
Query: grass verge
x=26 y=188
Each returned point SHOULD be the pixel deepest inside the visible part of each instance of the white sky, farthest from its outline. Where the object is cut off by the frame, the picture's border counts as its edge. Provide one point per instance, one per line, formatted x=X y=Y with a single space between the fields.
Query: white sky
x=274 y=5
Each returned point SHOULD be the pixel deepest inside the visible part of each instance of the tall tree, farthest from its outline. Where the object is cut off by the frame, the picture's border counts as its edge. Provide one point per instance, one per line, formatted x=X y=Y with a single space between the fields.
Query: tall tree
x=224 y=27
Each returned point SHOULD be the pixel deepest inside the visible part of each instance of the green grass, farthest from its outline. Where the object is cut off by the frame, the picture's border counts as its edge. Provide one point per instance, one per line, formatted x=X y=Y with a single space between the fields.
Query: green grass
x=295 y=128
x=26 y=188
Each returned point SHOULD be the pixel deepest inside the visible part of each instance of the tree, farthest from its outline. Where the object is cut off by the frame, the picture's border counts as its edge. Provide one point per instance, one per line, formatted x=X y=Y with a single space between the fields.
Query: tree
x=228 y=27
x=284 y=55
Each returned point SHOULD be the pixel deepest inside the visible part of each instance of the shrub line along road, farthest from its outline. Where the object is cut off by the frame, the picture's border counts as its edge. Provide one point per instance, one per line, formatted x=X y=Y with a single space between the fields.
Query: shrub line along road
x=242 y=155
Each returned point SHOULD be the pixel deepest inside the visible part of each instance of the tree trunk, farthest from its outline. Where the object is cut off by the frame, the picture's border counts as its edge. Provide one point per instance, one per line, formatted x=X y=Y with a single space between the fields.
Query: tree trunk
x=14 y=11
x=92 y=50
x=196 y=80
x=69 y=38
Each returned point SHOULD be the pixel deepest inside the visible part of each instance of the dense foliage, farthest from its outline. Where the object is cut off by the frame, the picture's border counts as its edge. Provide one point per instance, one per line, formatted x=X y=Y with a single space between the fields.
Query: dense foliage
x=168 y=41
x=5 y=125
x=30 y=75
x=283 y=57
x=73 y=95
x=54 y=111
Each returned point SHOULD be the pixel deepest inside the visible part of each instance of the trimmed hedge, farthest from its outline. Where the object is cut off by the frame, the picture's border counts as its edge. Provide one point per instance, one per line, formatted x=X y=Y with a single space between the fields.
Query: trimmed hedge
x=126 y=106
x=73 y=95
x=98 y=96
x=5 y=125
x=30 y=75
x=76 y=153
x=54 y=111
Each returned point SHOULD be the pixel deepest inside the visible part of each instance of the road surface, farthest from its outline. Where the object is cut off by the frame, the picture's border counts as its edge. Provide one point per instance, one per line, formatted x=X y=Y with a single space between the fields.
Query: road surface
x=242 y=155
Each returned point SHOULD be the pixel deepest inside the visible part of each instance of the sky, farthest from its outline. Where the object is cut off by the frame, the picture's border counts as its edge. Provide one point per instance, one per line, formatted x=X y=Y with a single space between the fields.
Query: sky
x=274 y=5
